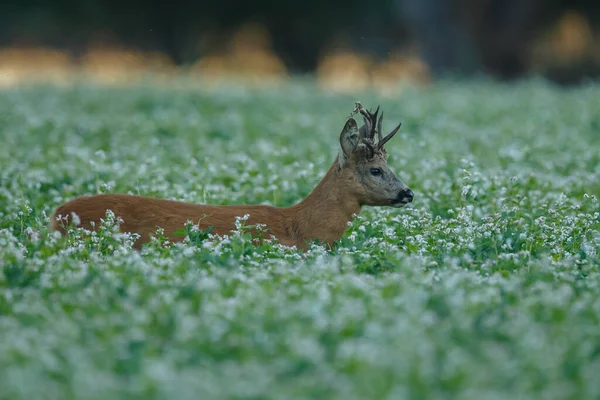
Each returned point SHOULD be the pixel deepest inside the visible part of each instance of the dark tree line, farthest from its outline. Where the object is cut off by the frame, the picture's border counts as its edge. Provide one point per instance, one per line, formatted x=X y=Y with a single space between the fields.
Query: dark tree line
x=454 y=35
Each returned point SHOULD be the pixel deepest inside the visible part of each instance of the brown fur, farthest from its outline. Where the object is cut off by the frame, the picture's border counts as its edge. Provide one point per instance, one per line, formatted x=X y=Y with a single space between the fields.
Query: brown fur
x=323 y=215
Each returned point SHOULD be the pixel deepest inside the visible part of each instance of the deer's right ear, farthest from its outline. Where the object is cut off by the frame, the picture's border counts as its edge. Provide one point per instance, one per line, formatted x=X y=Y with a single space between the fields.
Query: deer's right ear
x=349 y=137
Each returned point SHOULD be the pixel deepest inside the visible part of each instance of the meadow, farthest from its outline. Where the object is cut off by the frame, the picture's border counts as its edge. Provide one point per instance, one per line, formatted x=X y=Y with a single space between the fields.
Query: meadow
x=487 y=286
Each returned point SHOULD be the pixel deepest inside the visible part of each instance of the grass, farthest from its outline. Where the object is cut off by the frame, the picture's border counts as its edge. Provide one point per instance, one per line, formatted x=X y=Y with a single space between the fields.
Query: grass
x=486 y=287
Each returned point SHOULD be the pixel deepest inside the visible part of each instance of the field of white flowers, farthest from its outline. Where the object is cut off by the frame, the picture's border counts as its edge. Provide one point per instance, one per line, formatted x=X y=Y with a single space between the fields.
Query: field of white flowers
x=486 y=287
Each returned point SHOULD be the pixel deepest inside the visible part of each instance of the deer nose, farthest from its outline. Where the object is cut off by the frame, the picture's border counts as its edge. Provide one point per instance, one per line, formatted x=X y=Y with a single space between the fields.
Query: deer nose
x=407 y=195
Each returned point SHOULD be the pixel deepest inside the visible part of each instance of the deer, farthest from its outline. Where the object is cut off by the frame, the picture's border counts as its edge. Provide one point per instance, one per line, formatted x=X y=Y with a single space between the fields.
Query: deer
x=359 y=176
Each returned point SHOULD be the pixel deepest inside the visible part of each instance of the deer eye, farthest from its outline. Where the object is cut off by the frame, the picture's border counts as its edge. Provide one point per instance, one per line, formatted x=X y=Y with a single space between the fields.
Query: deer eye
x=375 y=171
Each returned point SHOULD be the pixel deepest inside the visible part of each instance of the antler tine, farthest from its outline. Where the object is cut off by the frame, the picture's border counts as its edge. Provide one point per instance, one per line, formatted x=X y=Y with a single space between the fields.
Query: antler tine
x=370 y=120
x=373 y=127
x=367 y=127
x=379 y=127
x=383 y=141
x=367 y=121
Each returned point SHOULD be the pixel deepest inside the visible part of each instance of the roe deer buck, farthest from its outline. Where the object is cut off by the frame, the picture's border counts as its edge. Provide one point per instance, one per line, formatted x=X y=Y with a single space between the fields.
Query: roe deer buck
x=359 y=176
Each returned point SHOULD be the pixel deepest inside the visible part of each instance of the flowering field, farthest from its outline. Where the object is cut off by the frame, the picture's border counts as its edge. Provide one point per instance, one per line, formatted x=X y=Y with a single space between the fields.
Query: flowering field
x=487 y=286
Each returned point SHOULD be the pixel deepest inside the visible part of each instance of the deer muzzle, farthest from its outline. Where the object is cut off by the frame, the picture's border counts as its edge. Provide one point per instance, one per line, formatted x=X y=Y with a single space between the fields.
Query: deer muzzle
x=404 y=197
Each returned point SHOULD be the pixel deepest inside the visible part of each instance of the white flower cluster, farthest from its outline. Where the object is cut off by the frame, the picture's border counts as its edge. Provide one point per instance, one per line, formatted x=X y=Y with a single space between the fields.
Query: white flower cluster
x=487 y=286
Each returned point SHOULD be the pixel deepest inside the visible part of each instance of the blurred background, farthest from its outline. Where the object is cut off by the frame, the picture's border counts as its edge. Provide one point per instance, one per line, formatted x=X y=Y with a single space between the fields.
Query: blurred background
x=376 y=43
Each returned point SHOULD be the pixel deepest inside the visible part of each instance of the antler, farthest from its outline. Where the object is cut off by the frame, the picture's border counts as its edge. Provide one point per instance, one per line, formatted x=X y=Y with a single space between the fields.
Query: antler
x=383 y=141
x=369 y=146
x=372 y=125
x=370 y=122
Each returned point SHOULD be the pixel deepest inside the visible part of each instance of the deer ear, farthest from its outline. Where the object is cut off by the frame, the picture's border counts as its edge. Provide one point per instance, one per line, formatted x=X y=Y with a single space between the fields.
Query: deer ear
x=349 y=137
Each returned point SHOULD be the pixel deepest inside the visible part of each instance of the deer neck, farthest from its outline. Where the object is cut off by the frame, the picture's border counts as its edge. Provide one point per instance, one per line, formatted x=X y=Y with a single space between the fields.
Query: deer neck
x=324 y=214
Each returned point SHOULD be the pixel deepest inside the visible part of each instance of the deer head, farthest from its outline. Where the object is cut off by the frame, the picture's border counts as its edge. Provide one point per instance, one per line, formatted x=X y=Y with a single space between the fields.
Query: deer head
x=362 y=163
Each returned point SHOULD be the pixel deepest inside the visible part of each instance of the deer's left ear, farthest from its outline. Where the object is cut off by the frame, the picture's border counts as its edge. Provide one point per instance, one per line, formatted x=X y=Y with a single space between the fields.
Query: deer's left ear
x=349 y=137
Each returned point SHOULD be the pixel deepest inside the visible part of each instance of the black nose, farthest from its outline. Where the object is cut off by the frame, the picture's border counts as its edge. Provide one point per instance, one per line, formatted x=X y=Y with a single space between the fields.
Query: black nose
x=407 y=195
